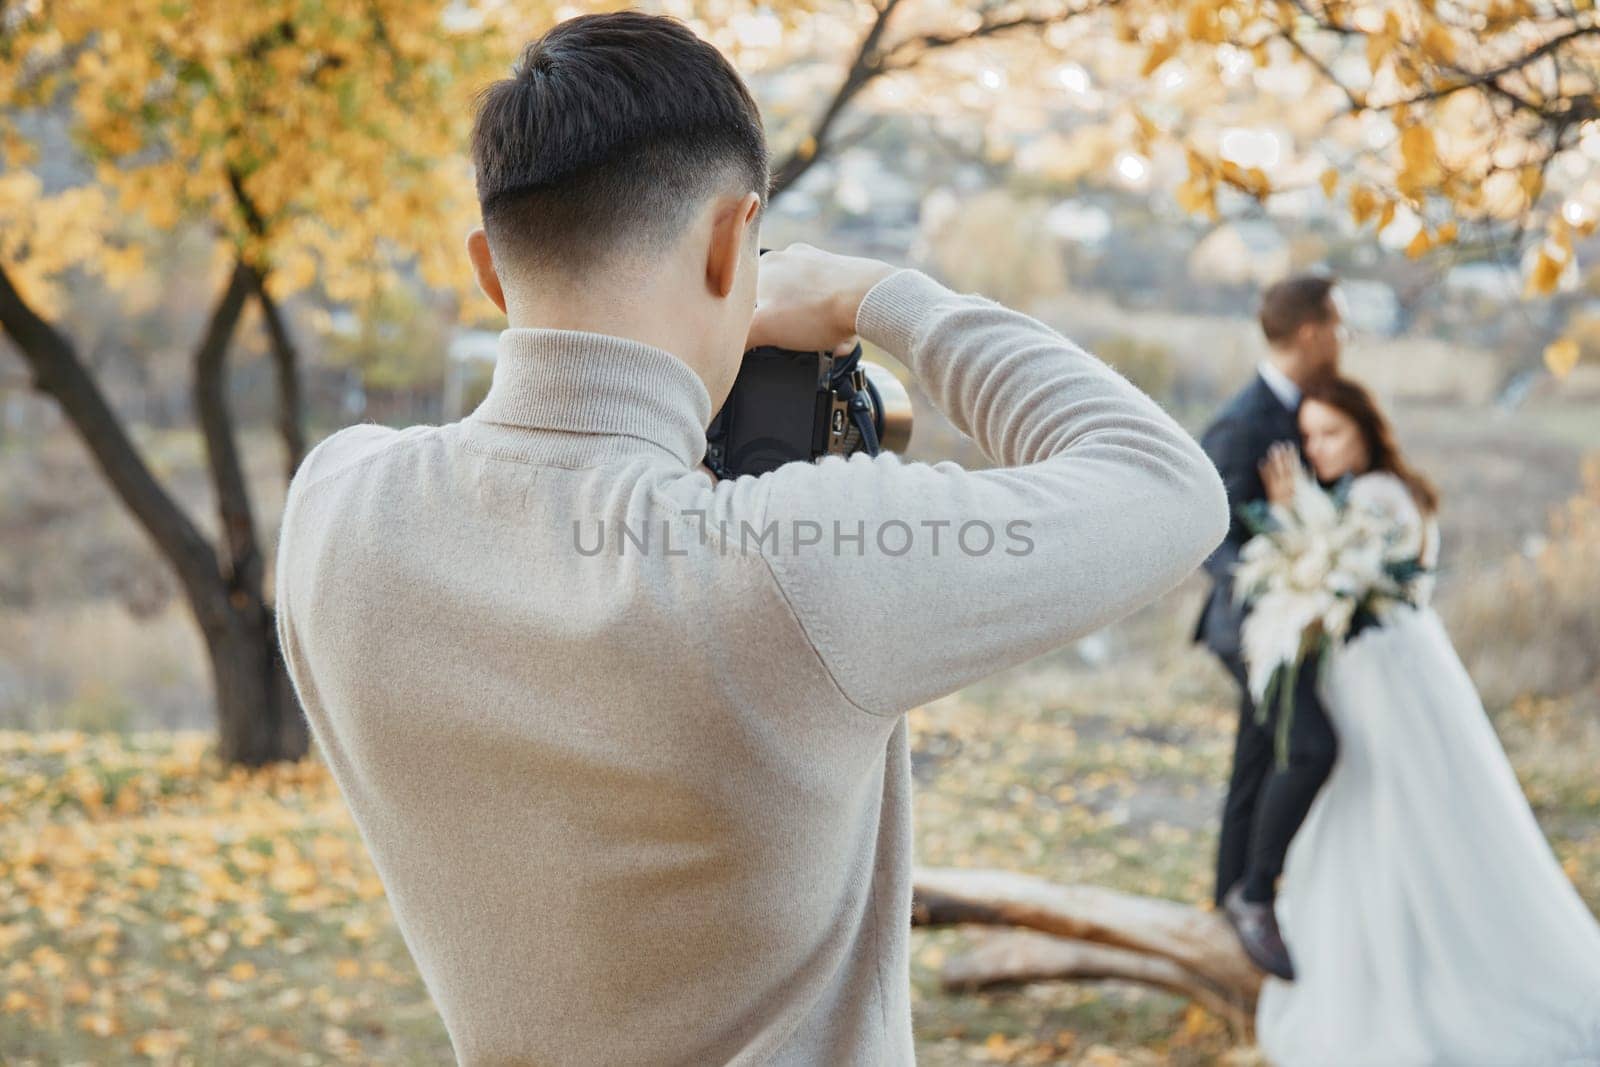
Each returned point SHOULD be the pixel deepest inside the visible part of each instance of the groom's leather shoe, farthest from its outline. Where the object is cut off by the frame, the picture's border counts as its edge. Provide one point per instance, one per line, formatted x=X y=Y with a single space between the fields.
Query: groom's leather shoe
x=1257 y=927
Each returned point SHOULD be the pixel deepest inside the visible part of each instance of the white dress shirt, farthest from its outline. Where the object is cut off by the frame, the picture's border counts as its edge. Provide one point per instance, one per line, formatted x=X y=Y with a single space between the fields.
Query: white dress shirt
x=1282 y=386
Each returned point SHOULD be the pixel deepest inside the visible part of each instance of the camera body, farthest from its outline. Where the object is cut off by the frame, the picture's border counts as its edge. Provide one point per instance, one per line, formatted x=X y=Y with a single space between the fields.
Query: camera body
x=788 y=405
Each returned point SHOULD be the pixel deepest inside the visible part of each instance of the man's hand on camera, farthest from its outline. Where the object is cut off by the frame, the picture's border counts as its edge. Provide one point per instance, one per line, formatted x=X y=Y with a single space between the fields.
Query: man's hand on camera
x=807 y=299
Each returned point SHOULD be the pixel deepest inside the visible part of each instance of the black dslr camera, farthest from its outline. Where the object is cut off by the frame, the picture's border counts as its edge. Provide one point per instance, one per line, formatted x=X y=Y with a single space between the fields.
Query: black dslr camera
x=787 y=405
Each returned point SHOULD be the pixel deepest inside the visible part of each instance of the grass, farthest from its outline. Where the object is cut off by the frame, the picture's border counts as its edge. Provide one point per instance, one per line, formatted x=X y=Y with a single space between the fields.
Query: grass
x=157 y=908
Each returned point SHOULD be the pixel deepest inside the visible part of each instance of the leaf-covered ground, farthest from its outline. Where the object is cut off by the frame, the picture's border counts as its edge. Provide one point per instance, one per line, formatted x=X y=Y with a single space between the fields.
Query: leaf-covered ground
x=155 y=908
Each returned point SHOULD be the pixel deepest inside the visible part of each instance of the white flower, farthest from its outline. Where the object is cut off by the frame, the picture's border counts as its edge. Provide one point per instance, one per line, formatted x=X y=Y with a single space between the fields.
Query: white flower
x=1403 y=544
x=1336 y=619
x=1311 y=568
x=1312 y=506
x=1310 y=575
x=1359 y=568
x=1274 y=630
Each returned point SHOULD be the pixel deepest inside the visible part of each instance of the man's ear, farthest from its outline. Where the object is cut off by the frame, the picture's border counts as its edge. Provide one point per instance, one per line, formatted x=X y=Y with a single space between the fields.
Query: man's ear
x=730 y=231
x=483 y=267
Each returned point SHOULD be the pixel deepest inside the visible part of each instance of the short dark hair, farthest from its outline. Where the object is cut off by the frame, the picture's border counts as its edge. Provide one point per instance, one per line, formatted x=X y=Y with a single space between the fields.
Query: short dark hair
x=1293 y=302
x=612 y=129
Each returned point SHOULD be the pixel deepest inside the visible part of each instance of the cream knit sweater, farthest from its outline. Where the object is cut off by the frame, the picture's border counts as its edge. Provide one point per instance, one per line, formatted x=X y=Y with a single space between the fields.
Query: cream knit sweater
x=627 y=747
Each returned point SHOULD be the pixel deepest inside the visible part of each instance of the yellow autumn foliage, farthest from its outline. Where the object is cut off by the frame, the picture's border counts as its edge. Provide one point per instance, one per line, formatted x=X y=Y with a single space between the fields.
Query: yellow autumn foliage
x=319 y=140
x=137 y=872
x=325 y=140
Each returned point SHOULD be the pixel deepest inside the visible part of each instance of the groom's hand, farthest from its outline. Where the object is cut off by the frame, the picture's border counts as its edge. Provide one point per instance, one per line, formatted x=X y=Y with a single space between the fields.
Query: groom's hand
x=807 y=299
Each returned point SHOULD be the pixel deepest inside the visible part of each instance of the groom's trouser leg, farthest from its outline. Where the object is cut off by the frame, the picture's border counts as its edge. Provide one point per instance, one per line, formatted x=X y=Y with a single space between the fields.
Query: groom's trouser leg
x=1252 y=759
x=1288 y=791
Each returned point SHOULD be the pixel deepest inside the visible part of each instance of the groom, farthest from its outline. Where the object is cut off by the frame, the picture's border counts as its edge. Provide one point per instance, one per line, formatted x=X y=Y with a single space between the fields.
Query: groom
x=1266 y=803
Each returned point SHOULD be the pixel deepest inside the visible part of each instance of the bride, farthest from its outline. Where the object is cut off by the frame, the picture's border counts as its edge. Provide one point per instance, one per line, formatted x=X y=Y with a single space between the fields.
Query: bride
x=1430 y=922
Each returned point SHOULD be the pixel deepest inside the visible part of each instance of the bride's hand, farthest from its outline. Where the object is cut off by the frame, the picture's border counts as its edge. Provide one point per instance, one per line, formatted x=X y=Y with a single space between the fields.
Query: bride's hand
x=1279 y=471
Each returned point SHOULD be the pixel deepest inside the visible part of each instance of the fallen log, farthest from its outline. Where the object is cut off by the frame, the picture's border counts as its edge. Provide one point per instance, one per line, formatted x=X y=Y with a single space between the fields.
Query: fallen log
x=1093 y=933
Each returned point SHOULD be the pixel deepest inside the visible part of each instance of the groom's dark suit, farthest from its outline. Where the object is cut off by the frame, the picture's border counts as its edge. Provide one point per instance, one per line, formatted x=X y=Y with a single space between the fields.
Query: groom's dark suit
x=1266 y=804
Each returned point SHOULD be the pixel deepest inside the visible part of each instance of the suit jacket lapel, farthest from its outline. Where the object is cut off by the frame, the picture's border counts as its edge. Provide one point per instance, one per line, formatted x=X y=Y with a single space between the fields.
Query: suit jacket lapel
x=1270 y=407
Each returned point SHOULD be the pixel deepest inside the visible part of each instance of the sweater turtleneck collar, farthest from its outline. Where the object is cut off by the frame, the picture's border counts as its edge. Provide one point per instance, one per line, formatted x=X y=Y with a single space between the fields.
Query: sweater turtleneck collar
x=594 y=383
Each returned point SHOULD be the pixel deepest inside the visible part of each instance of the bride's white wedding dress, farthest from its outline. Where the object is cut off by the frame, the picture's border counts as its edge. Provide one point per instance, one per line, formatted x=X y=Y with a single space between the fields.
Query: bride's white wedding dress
x=1429 y=921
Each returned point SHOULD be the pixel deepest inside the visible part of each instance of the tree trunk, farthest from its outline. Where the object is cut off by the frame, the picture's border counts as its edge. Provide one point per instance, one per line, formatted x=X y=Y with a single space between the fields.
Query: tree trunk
x=1020 y=957
x=1092 y=933
x=291 y=419
x=286 y=359
x=258 y=717
x=242 y=565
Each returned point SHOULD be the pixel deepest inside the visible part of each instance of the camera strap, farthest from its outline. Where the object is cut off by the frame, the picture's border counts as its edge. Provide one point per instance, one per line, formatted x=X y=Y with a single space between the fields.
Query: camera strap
x=860 y=397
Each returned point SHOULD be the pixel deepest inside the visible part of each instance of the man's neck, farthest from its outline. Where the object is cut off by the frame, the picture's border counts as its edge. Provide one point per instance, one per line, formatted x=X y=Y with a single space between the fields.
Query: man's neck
x=1284 y=385
x=1289 y=365
x=625 y=318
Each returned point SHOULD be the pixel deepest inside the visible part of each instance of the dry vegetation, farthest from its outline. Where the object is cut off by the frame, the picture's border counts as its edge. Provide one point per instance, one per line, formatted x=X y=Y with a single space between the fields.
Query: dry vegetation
x=1531 y=626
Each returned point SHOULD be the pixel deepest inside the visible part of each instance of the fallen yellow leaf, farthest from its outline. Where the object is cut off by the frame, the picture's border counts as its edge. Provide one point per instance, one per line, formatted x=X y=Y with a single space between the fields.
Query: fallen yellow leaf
x=1561 y=356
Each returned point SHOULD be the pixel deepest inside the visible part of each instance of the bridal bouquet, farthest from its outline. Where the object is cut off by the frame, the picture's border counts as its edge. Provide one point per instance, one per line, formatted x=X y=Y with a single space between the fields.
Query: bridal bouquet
x=1318 y=570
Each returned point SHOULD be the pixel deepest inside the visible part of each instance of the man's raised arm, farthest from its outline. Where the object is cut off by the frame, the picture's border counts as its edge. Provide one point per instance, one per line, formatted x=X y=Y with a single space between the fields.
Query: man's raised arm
x=922 y=578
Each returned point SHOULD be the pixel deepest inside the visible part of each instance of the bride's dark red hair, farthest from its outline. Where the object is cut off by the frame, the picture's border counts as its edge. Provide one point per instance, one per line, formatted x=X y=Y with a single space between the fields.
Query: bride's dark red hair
x=1352 y=398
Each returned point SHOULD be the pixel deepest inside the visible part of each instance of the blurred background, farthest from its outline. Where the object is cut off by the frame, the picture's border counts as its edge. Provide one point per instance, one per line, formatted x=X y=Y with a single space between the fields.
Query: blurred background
x=226 y=232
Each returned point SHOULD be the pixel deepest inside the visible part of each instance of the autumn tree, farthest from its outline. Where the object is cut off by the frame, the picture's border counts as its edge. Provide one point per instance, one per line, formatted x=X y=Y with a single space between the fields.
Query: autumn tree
x=1470 y=127
x=1465 y=109
x=315 y=143
x=320 y=145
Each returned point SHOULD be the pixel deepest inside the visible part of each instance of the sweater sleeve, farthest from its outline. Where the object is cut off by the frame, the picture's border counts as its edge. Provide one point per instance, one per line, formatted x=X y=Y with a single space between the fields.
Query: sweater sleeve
x=913 y=580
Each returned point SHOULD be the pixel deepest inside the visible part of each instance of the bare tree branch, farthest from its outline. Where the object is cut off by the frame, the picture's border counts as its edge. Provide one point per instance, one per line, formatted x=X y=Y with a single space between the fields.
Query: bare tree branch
x=921 y=46
x=285 y=357
x=871 y=61
x=1199 y=942
x=243 y=567
x=1490 y=80
x=286 y=361
x=1020 y=957
x=58 y=372
x=863 y=68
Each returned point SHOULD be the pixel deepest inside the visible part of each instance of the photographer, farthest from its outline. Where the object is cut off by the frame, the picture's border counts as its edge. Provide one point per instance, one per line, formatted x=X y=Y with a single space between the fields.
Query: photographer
x=651 y=804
